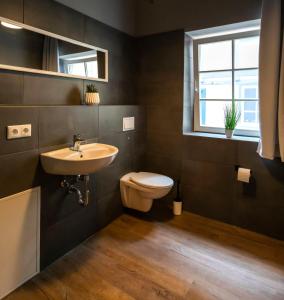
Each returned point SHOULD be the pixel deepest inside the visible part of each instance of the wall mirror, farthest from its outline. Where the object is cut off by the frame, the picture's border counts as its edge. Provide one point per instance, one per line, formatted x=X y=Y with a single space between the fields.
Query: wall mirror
x=29 y=49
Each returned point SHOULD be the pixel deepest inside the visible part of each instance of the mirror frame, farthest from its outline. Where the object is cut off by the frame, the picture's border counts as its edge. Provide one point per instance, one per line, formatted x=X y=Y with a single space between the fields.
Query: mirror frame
x=56 y=36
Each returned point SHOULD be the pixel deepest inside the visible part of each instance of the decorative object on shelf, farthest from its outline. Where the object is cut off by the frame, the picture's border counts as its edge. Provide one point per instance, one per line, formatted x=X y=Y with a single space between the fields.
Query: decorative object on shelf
x=177 y=205
x=92 y=95
x=232 y=116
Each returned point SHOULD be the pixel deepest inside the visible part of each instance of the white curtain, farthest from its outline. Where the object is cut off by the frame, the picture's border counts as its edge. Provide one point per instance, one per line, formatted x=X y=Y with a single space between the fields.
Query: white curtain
x=271 y=81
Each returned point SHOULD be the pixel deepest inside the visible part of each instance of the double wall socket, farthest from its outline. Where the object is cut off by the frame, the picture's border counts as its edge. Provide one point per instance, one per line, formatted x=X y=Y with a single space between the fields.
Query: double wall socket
x=19 y=131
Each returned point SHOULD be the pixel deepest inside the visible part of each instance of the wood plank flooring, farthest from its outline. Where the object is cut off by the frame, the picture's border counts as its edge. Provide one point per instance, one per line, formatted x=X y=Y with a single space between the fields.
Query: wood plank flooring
x=186 y=257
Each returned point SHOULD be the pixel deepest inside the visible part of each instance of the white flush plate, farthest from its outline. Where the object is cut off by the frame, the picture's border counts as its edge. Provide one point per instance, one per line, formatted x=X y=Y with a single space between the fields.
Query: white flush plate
x=19 y=131
x=128 y=123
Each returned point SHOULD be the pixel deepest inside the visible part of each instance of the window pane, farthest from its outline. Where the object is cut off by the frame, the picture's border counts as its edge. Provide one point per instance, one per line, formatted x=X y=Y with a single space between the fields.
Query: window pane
x=92 y=69
x=212 y=114
x=250 y=105
x=215 y=85
x=246 y=52
x=215 y=56
x=76 y=69
x=246 y=84
x=249 y=115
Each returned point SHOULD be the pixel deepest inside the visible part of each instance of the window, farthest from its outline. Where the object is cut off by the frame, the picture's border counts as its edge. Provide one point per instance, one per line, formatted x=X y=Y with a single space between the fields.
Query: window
x=226 y=68
x=82 y=67
x=81 y=64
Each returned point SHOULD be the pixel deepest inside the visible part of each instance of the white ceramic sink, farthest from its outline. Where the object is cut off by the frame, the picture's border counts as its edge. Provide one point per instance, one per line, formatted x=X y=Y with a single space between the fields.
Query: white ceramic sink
x=90 y=159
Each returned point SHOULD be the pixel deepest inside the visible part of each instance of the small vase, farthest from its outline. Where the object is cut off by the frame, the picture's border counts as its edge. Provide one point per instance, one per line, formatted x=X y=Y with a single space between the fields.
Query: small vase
x=229 y=133
x=92 y=98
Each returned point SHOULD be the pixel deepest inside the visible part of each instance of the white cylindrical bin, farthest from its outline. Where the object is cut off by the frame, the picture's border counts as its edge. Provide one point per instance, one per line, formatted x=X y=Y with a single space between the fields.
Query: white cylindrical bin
x=177 y=208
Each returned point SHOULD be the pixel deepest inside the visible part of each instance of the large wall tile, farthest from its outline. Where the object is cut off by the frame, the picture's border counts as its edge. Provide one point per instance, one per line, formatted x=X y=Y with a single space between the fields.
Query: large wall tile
x=152 y=92
x=165 y=143
x=108 y=179
x=162 y=164
x=209 y=176
x=18 y=116
x=57 y=125
x=123 y=141
x=57 y=202
x=111 y=118
x=100 y=35
x=210 y=149
x=165 y=119
x=108 y=208
x=48 y=90
x=65 y=235
x=161 y=57
x=214 y=204
x=12 y=9
x=11 y=87
x=264 y=219
x=18 y=172
x=138 y=150
x=54 y=17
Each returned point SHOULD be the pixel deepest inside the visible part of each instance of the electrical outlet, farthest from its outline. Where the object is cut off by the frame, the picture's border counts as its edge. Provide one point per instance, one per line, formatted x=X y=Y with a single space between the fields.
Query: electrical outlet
x=26 y=130
x=19 y=131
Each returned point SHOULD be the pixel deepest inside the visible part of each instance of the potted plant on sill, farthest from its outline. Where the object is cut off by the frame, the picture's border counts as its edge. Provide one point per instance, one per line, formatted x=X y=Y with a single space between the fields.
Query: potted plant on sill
x=92 y=95
x=232 y=117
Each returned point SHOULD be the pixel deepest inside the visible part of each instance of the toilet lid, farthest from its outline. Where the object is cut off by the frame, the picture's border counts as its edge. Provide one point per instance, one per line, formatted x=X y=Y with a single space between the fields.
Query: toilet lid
x=151 y=180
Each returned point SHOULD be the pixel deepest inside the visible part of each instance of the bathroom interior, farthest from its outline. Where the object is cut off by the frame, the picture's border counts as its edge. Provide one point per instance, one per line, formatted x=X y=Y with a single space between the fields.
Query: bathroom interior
x=141 y=149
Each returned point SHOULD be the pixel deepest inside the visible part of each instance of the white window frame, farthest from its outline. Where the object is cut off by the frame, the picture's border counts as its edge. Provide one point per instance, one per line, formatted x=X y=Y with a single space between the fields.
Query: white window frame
x=84 y=61
x=196 y=72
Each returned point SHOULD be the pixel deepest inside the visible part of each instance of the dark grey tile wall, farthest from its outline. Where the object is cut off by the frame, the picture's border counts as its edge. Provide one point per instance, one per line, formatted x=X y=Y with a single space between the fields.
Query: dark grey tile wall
x=205 y=166
x=19 y=172
x=47 y=90
x=54 y=17
x=14 y=86
x=52 y=106
x=159 y=88
x=57 y=125
x=12 y=9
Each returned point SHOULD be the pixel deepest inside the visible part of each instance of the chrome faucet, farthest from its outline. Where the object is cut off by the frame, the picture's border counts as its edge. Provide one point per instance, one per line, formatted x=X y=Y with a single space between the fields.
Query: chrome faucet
x=77 y=140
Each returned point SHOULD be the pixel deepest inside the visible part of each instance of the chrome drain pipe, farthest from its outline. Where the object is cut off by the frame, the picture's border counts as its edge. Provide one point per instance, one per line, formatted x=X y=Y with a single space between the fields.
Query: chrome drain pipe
x=70 y=186
x=87 y=191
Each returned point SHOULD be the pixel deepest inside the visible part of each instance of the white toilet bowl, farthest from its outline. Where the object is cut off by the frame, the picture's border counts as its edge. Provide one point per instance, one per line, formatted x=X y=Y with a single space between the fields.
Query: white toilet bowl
x=138 y=190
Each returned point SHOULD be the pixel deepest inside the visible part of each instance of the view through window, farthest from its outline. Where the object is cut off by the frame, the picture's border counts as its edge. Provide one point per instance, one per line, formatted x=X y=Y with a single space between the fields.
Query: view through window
x=226 y=68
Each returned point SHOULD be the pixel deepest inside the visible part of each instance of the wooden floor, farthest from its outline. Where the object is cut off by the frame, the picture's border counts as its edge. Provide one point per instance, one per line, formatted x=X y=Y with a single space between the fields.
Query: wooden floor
x=186 y=257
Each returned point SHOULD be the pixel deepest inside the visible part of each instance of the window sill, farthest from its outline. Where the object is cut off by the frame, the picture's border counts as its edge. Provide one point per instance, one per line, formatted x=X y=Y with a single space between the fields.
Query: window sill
x=223 y=137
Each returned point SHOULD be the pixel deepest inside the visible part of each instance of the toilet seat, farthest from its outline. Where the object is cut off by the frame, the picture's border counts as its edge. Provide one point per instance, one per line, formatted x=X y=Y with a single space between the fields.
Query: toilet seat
x=151 y=180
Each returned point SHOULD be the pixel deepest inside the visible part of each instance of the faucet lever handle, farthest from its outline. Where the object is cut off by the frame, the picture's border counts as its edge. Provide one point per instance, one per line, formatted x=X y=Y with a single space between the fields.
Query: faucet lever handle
x=77 y=137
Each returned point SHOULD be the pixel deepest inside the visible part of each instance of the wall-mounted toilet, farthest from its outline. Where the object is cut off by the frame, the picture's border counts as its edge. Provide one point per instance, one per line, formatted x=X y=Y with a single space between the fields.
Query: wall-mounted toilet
x=138 y=190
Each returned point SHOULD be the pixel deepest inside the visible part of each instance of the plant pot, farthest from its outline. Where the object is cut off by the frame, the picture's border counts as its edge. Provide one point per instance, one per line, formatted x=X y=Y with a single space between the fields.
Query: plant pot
x=177 y=208
x=92 y=98
x=229 y=133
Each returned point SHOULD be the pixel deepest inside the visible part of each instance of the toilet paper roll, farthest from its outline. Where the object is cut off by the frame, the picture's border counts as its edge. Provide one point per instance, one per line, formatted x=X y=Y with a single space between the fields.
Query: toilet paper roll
x=244 y=175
